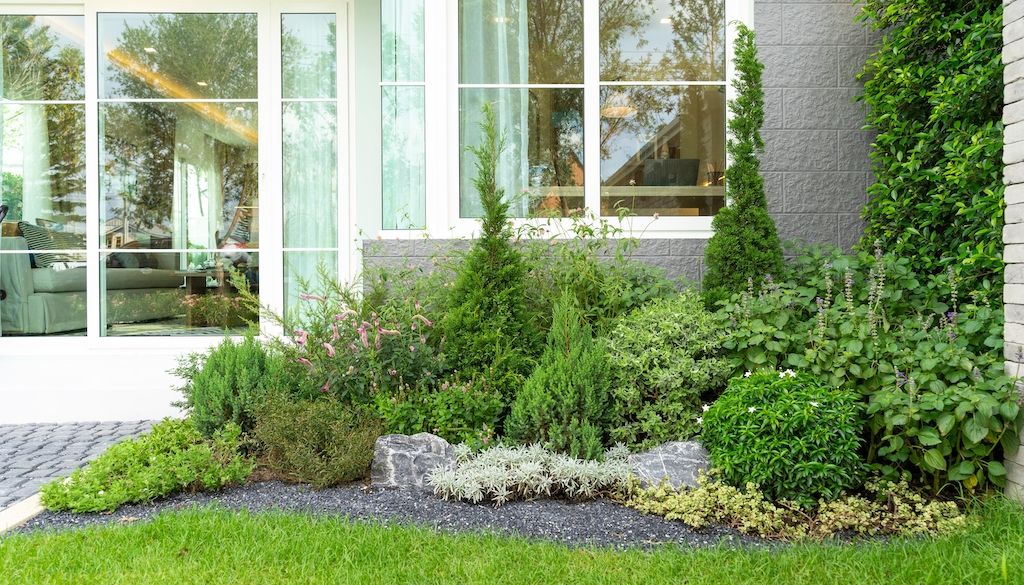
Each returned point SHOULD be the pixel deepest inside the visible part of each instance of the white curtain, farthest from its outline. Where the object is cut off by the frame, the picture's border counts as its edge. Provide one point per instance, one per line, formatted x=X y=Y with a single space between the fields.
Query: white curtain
x=494 y=49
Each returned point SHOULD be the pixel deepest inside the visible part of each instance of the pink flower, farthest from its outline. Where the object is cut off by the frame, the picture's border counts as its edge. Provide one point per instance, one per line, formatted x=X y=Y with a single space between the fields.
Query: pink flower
x=329 y=348
x=362 y=335
x=392 y=372
x=326 y=386
x=383 y=331
x=334 y=332
x=418 y=306
x=300 y=336
x=426 y=321
x=309 y=297
x=306 y=362
x=344 y=315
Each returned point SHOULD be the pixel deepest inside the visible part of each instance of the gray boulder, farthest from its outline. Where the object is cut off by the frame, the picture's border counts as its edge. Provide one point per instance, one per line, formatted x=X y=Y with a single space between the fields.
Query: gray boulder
x=679 y=462
x=405 y=461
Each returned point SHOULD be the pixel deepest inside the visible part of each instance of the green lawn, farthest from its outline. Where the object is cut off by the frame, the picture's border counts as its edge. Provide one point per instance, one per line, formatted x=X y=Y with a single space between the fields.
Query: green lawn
x=215 y=546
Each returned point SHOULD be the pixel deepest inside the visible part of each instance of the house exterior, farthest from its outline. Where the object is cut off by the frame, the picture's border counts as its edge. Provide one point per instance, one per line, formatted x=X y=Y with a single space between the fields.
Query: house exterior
x=147 y=148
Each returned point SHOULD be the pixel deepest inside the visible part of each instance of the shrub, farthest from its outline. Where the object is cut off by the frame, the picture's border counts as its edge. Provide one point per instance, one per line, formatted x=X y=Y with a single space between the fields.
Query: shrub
x=563 y=404
x=745 y=244
x=487 y=325
x=460 y=412
x=793 y=436
x=889 y=508
x=224 y=384
x=934 y=95
x=172 y=457
x=665 y=358
x=322 y=442
x=502 y=474
x=929 y=367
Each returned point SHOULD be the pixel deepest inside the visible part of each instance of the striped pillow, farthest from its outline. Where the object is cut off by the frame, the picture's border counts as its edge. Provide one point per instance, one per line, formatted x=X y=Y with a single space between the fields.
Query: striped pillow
x=39 y=240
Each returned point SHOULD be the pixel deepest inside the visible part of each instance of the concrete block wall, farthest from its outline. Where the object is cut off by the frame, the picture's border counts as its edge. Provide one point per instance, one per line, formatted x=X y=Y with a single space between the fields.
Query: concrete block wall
x=1013 y=231
x=815 y=165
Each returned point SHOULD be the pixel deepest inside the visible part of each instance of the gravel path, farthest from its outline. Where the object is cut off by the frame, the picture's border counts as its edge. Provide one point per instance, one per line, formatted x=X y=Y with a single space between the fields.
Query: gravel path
x=34 y=454
x=596 y=523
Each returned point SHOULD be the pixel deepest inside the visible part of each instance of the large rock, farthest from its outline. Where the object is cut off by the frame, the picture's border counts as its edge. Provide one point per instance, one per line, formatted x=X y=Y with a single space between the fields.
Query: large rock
x=404 y=461
x=679 y=462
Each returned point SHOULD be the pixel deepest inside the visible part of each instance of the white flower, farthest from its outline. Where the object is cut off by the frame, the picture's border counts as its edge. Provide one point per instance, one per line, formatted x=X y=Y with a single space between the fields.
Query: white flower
x=706 y=407
x=752 y=409
x=700 y=420
x=790 y=373
x=746 y=374
x=814 y=404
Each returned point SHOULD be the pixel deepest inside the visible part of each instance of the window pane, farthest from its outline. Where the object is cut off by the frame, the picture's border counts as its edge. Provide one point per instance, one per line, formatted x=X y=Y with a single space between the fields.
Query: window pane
x=44 y=294
x=177 y=56
x=302 y=275
x=179 y=175
x=42 y=57
x=521 y=41
x=308 y=55
x=401 y=40
x=404 y=150
x=42 y=161
x=658 y=40
x=168 y=293
x=662 y=149
x=541 y=169
x=310 y=188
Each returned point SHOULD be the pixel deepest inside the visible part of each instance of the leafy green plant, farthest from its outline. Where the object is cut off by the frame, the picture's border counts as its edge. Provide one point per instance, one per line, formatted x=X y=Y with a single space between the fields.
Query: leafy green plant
x=934 y=95
x=322 y=442
x=502 y=474
x=487 y=325
x=222 y=385
x=172 y=457
x=928 y=366
x=745 y=244
x=666 y=358
x=564 y=403
x=888 y=508
x=460 y=412
x=789 y=433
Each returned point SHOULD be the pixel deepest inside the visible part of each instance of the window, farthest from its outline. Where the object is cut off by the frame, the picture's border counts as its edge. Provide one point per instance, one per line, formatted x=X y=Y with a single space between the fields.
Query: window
x=656 y=98
x=526 y=58
x=178 y=177
x=42 y=161
x=403 y=114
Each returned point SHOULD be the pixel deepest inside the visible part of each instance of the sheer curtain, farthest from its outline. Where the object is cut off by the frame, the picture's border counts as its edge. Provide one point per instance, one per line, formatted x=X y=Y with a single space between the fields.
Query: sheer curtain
x=494 y=47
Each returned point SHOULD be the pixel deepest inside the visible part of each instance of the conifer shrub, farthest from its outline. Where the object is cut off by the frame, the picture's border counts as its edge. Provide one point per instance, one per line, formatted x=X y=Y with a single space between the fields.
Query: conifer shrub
x=564 y=402
x=745 y=245
x=666 y=360
x=487 y=327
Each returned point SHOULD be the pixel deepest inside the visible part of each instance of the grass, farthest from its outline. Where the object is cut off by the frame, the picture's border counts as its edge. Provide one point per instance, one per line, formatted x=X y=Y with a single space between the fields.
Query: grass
x=215 y=546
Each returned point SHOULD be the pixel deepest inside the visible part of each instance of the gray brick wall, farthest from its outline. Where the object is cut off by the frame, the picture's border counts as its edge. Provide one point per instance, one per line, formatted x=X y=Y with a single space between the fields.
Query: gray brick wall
x=1013 y=231
x=815 y=165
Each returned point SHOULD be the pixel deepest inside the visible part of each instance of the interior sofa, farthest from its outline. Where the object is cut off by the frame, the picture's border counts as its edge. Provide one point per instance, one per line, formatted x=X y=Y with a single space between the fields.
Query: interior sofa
x=53 y=300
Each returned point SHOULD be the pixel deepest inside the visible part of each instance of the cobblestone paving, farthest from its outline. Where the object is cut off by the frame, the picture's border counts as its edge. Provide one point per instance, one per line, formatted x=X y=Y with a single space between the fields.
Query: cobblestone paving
x=33 y=454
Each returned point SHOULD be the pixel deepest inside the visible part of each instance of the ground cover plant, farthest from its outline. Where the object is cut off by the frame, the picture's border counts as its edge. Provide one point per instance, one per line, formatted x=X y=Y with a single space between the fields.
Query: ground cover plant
x=217 y=546
x=745 y=244
x=172 y=457
x=934 y=95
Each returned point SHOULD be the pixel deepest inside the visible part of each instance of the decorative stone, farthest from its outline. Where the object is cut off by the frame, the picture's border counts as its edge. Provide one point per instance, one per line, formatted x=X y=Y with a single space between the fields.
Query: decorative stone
x=404 y=461
x=679 y=462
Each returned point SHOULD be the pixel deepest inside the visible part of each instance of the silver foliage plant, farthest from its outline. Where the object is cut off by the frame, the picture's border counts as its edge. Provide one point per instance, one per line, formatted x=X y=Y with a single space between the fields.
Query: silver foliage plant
x=502 y=474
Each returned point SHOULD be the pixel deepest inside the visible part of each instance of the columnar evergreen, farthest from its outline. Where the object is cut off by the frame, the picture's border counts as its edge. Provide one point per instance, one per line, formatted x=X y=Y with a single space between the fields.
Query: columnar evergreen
x=745 y=245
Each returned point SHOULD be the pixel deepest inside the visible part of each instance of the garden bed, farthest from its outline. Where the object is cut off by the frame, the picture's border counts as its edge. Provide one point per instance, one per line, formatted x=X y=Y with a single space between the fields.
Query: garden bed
x=598 y=522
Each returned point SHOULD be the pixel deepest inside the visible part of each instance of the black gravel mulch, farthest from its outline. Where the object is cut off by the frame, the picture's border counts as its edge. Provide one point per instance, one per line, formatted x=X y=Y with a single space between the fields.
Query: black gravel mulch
x=594 y=523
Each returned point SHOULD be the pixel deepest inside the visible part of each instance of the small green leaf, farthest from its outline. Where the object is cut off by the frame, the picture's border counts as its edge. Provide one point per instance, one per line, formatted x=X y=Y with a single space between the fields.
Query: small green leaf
x=934 y=459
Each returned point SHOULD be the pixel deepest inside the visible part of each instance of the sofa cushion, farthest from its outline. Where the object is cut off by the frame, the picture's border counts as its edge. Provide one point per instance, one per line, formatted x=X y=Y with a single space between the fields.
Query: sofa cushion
x=74 y=279
x=39 y=239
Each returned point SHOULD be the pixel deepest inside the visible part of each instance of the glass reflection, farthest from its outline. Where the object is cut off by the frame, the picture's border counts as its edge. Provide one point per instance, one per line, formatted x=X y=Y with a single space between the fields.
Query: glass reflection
x=662 y=149
x=43 y=294
x=42 y=57
x=310 y=155
x=308 y=55
x=171 y=293
x=302 y=275
x=521 y=41
x=42 y=160
x=402 y=40
x=177 y=56
x=180 y=175
x=541 y=169
x=403 y=142
x=662 y=40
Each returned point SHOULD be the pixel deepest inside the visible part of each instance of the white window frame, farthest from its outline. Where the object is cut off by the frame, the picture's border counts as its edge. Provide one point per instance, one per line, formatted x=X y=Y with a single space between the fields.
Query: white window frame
x=442 y=127
x=271 y=222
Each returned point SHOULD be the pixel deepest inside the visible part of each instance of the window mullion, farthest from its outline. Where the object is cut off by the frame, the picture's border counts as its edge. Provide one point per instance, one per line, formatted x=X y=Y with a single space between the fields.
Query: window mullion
x=591 y=107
